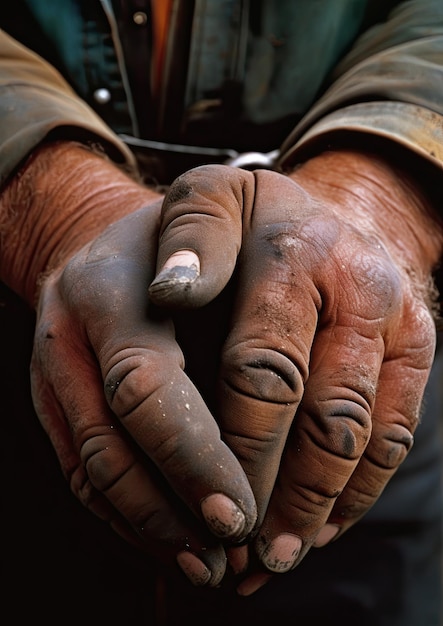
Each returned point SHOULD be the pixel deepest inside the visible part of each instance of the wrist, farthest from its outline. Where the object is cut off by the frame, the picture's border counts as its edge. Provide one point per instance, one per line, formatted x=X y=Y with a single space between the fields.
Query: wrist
x=63 y=197
x=381 y=200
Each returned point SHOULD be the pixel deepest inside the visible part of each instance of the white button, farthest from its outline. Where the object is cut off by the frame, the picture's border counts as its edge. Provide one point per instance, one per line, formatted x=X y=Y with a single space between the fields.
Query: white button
x=102 y=96
x=140 y=18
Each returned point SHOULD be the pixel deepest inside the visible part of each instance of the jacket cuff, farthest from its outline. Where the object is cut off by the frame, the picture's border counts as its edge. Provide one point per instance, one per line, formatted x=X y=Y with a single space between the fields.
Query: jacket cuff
x=410 y=126
x=47 y=114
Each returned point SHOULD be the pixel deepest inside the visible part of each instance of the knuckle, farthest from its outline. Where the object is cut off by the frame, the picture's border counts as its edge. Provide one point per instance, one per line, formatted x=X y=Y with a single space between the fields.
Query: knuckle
x=87 y=493
x=262 y=373
x=390 y=448
x=132 y=380
x=105 y=460
x=376 y=275
x=353 y=508
x=418 y=332
x=181 y=189
x=96 y=279
x=341 y=428
x=315 y=497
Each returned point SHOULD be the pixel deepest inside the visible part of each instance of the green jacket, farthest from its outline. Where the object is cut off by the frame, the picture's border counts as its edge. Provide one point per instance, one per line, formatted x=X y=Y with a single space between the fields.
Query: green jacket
x=239 y=75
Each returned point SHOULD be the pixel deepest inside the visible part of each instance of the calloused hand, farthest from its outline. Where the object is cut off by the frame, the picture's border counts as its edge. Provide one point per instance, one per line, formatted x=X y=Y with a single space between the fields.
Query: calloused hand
x=132 y=433
x=123 y=450
x=331 y=335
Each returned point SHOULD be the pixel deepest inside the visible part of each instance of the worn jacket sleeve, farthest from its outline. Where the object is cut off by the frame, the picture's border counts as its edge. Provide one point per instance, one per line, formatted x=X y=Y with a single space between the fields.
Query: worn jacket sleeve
x=390 y=86
x=36 y=103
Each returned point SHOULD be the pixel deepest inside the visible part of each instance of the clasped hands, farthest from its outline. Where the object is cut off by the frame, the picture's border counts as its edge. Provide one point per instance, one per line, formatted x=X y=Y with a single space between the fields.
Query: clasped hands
x=325 y=350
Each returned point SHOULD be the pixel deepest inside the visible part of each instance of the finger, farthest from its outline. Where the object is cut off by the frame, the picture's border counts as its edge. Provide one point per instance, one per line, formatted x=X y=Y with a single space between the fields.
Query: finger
x=146 y=387
x=333 y=424
x=395 y=417
x=329 y=436
x=200 y=235
x=334 y=421
x=266 y=355
x=111 y=477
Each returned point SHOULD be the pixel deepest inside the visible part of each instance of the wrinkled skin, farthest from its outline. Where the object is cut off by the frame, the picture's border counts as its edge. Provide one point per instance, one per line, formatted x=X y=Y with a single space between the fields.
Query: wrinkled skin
x=96 y=313
x=331 y=338
x=107 y=373
x=329 y=348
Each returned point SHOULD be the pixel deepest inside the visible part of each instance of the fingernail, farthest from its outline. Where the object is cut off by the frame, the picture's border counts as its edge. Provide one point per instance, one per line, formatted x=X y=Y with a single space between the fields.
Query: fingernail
x=194 y=569
x=182 y=258
x=182 y=267
x=281 y=553
x=238 y=559
x=250 y=585
x=222 y=515
x=326 y=534
x=167 y=279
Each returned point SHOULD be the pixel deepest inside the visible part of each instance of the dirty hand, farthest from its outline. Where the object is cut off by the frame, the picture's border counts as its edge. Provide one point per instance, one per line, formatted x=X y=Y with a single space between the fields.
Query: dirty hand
x=146 y=455
x=331 y=337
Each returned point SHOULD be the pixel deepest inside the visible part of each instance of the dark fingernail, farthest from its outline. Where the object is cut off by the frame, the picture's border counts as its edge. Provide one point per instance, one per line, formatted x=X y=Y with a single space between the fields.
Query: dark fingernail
x=194 y=569
x=281 y=553
x=171 y=277
x=223 y=516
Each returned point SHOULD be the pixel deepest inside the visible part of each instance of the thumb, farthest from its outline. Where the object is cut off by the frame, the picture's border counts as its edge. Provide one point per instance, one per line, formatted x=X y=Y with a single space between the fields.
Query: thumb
x=200 y=234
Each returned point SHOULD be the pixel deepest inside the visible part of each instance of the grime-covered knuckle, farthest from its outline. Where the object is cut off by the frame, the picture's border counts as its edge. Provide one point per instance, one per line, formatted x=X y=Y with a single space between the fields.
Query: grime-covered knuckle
x=208 y=190
x=96 y=279
x=377 y=276
x=312 y=496
x=180 y=190
x=354 y=505
x=389 y=447
x=262 y=373
x=340 y=428
x=149 y=520
x=88 y=494
x=418 y=333
x=105 y=460
x=131 y=381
